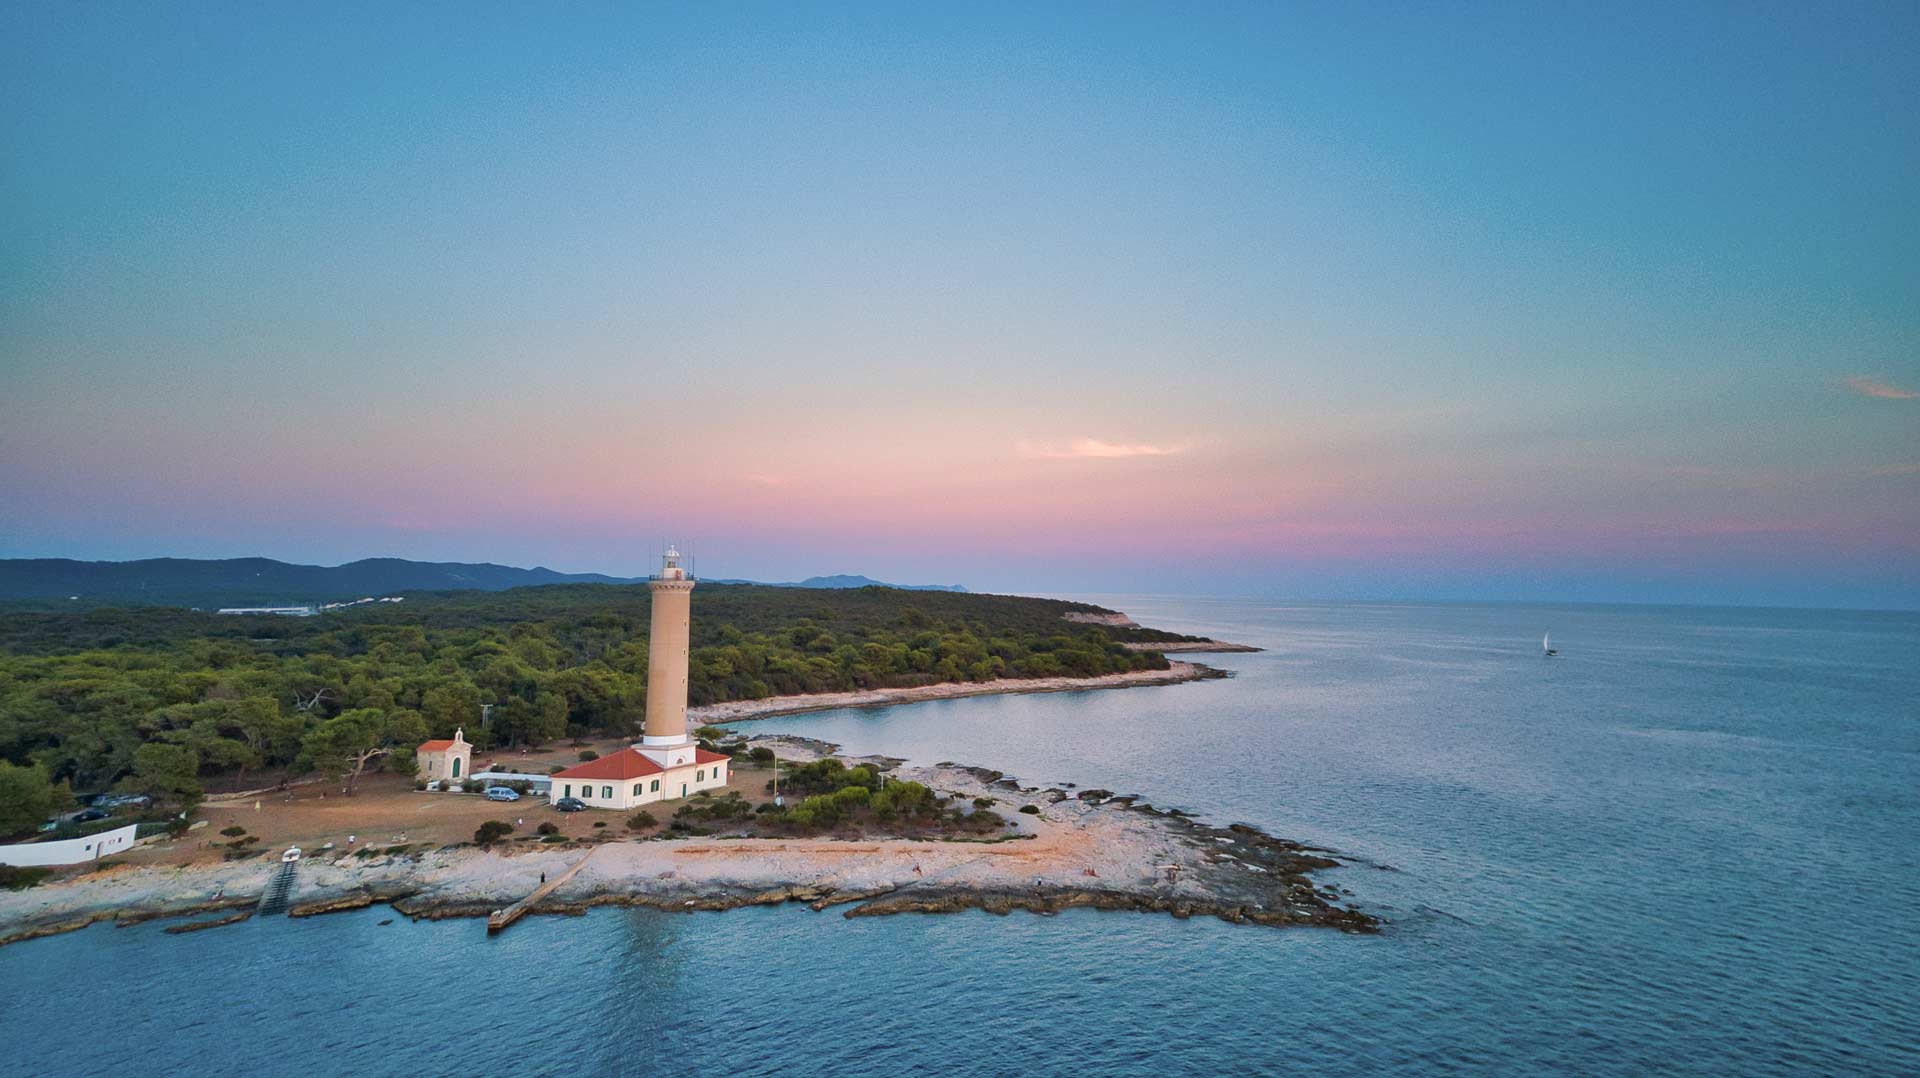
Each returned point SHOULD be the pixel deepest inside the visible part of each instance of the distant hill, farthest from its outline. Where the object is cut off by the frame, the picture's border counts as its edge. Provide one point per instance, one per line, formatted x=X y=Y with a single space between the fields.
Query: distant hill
x=266 y=582
x=845 y=581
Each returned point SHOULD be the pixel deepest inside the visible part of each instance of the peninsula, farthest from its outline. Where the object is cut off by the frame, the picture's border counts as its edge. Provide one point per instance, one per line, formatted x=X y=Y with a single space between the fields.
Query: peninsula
x=416 y=822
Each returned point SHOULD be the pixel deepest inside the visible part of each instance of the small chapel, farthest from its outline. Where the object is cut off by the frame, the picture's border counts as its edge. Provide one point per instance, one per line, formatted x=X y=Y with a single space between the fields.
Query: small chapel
x=445 y=760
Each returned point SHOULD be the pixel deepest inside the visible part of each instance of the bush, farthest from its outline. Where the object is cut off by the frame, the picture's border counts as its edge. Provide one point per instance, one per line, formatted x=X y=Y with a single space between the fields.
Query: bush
x=548 y=828
x=640 y=821
x=587 y=755
x=233 y=832
x=1031 y=810
x=599 y=823
x=491 y=831
x=761 y=754
x=19 y=878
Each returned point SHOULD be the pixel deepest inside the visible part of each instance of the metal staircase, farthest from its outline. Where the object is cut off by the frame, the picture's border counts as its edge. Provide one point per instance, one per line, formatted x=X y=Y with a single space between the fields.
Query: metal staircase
x=274 y=898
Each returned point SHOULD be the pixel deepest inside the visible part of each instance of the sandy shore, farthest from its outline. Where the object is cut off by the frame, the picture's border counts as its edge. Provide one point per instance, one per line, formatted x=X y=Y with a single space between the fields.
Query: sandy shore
x=741 y=710
x=1178 y=647
x=1083 y=848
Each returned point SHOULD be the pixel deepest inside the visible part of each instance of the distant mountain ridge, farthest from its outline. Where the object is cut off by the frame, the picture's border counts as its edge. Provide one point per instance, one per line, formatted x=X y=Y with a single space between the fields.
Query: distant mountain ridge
x=844 y=580
x=264 y=581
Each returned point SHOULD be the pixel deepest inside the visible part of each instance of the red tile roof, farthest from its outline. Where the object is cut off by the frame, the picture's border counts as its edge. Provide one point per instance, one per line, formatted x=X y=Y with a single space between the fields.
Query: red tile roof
x=435 y=746
x=625 y=764
x=629 y=764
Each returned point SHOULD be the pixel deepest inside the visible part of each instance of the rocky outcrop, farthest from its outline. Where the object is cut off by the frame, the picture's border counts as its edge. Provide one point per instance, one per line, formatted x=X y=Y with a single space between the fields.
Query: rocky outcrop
x=198 y=926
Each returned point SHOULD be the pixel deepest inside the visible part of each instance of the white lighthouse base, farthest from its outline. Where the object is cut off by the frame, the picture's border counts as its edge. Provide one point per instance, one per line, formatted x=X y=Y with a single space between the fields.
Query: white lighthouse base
x=667 y=751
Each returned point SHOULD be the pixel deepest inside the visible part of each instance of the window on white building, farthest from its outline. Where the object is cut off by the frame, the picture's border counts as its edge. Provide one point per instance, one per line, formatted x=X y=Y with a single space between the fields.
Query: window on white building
x=606 y=792
x=656 y=785
x=699 y=776
x=636 y=789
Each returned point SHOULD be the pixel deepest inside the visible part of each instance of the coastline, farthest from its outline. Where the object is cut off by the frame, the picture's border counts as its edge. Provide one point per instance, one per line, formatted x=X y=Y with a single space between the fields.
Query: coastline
x=1077 y=848
x=1189 y=647
x=768 y=707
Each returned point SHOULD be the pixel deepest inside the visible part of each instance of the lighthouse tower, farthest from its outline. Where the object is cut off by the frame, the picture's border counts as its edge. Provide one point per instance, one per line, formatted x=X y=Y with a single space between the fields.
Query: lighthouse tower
x=664 y=738
x=667 y=764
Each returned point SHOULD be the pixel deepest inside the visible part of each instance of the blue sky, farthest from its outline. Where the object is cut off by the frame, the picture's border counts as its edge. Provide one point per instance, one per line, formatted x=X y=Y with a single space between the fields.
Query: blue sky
x=1505 y=302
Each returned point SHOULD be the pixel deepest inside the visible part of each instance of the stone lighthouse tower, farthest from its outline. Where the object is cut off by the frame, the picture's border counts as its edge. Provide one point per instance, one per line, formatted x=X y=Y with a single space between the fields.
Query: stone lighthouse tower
x=665 y=739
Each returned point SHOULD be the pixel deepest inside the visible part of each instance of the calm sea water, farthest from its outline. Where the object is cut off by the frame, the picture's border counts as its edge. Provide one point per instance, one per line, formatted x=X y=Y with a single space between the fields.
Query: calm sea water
x=1691 y=844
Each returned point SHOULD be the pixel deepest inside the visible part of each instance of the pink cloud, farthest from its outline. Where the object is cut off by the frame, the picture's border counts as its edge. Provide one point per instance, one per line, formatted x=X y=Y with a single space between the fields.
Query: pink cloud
x=1874 y=387
x=1094 y=449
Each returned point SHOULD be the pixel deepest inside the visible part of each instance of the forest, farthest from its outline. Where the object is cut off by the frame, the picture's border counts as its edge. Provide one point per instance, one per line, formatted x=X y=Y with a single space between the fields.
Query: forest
x=168 y=702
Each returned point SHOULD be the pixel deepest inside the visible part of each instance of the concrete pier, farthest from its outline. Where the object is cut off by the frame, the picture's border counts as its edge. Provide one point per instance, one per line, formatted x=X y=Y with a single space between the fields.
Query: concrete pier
x=501 y=918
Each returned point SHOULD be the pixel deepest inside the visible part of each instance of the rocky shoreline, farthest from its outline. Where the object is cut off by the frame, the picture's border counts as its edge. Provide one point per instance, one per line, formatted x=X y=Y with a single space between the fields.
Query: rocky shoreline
x=1073 y=849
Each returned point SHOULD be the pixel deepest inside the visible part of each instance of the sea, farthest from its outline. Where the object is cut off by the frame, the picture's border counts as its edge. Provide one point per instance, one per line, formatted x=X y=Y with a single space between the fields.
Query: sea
x=1688 y=844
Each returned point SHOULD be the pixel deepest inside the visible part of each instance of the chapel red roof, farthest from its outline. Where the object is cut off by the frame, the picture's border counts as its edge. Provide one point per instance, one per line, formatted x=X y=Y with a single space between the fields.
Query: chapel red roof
x=435 y=746
x=629 y=764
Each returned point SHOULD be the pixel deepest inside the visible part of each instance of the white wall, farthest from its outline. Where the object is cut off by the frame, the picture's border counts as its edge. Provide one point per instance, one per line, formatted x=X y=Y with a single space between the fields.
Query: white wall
x=70 y=851
x=625 y=798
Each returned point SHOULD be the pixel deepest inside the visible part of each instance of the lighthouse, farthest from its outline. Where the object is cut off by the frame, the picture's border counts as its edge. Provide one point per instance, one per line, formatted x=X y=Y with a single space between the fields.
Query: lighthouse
x=664 y=738
x=666 y=764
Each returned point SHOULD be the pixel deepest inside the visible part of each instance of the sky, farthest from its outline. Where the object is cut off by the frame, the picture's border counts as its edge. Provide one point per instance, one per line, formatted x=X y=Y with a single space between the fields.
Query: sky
x=1507 y=302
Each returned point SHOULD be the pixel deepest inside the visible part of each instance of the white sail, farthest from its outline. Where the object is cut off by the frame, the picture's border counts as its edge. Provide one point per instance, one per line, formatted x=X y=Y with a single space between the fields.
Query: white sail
x=1546 y=642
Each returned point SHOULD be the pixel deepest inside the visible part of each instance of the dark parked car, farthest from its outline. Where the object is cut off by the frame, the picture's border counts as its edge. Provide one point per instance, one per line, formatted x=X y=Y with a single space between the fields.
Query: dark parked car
x=569 y=804
x=90 y=815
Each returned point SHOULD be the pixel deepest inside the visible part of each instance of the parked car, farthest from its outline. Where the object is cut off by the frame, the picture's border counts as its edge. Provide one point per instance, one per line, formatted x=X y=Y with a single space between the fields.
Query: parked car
x=292 y=854
x=119 y=800
x=90 y=815
x=570 y=804
x=501 y=793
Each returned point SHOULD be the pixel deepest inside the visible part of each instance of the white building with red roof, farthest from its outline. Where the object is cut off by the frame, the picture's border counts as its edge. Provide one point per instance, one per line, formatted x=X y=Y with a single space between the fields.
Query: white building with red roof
x=625 y=779
x=445 y=760
x=667 y=764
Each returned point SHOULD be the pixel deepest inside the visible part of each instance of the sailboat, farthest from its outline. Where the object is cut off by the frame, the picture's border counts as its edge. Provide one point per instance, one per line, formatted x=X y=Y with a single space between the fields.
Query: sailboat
x=1546 y=645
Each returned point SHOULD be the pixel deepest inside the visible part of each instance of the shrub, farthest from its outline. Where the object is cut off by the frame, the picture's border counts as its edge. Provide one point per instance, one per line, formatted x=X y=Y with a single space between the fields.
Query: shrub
x=491 y=831
x=420 y=784
x=19 y=877
x=554 y=838
x=984 y=802
x=233 y=832
x=761 y=754
x=1031 y=810
x=712 y=733
x=548 y=828
x=599 y=823
x=640 y=821
x=587 y=755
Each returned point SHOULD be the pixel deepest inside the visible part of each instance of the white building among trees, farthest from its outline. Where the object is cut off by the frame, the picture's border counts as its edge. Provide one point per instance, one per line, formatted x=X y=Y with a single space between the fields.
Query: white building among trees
x=445 y=760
